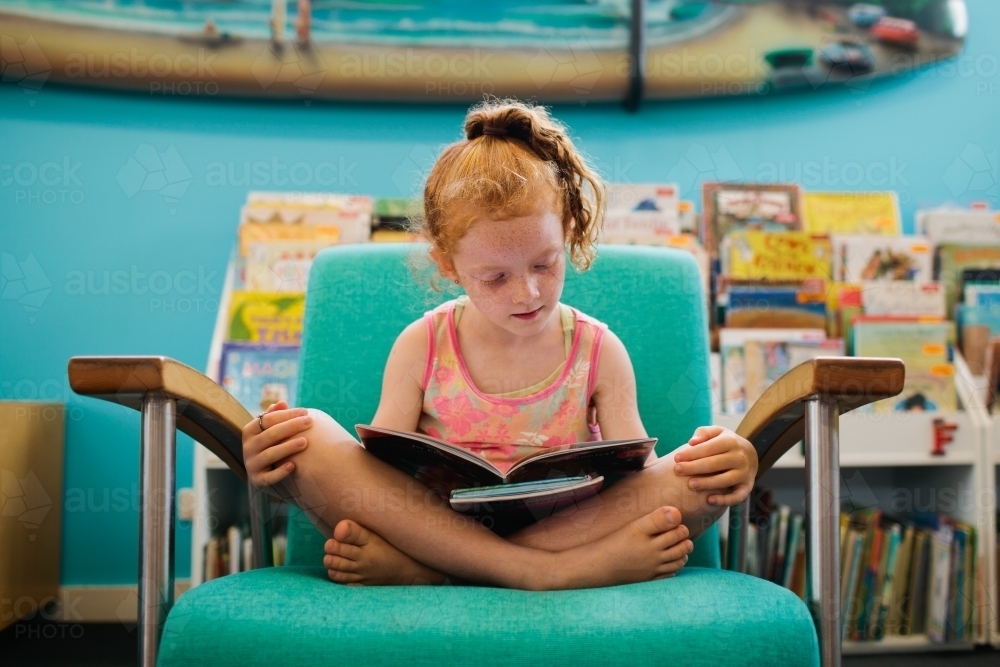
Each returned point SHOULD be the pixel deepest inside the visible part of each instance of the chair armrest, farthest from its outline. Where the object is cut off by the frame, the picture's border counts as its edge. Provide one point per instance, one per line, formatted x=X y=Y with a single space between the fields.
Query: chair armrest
x=776 y=421
x=205 y=411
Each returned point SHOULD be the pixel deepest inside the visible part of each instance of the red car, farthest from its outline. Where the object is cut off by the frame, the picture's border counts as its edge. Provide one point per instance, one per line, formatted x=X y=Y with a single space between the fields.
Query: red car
x=892 y=30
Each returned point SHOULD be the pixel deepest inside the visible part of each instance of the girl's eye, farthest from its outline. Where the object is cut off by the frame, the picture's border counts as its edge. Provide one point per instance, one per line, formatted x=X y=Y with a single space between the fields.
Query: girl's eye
x=543 y=267
x=495 y=281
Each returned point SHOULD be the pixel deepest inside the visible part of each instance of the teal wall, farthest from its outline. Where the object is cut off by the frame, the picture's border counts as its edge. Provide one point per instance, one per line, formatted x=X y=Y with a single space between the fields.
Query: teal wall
x=70 y=200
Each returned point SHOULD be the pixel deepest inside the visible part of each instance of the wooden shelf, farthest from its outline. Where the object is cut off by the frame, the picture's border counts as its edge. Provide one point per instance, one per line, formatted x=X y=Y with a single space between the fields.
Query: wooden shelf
x=914 y=644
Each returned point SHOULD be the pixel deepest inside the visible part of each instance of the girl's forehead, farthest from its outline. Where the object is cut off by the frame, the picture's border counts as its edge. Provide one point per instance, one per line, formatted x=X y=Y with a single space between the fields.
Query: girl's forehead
x=489 y=242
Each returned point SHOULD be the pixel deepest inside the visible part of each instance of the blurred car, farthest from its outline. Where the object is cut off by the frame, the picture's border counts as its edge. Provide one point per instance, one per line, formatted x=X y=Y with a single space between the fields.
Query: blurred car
x=865 y=15
x=892 y=30
x=851 y=58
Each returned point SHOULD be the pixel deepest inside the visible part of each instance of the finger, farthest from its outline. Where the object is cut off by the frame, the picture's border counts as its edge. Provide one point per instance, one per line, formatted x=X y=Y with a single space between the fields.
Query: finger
x=715 y=445
x=280 y=405
x=286 y=430
x=703 y=433
x=271 y=418
x=272 y=455
x=267 y=478
x=723 y=480
x=710 y=464
x=734 y=497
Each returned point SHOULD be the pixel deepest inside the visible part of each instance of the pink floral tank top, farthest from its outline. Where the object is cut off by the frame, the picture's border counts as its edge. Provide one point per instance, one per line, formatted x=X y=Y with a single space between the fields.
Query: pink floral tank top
x=501 y=428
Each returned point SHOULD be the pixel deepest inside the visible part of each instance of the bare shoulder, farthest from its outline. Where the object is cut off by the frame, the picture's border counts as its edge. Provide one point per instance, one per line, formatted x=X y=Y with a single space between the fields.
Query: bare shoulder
x=614 y=366
x=409 y=352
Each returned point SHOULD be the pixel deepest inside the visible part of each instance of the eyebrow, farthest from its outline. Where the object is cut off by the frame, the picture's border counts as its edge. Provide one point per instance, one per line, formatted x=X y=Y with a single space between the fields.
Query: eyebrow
x=550 y=249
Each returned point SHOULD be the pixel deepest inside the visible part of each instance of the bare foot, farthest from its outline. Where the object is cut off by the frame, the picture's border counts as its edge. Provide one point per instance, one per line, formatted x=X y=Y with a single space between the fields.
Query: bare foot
x=651 y=547
x=356 y=555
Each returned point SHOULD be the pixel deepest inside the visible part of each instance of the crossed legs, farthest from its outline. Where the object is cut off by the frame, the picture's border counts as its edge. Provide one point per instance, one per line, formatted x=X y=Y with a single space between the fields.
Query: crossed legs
x=630 y=532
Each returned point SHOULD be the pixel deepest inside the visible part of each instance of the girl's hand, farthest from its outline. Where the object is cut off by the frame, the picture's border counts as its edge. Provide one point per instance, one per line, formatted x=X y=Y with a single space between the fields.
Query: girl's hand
x=264 y=451
x=717 y=458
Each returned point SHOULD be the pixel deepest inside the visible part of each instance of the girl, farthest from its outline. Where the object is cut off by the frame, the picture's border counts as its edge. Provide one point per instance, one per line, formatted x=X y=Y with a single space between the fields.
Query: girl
x=505 y=363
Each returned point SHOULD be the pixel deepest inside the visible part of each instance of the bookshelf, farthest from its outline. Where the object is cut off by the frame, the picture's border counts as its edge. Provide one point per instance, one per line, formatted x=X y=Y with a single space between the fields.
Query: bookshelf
x=886 y=461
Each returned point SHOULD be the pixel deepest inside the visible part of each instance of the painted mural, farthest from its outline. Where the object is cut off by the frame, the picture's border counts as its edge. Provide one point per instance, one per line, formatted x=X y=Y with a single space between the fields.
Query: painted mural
x=454 y=50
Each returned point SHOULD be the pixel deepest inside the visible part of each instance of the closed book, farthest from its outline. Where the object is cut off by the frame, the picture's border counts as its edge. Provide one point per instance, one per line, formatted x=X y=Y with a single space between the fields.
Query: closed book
x=900 y=583
x=940 y=578
x=877 y=629
x=792 y=550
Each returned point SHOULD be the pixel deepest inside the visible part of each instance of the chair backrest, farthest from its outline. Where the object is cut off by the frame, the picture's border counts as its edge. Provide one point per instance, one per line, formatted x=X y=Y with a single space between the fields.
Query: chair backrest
x=361 y=296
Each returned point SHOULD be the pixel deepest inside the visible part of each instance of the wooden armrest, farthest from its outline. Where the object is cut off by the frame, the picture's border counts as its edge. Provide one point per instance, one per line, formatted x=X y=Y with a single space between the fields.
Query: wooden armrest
x=205 y=411
x=776 y=421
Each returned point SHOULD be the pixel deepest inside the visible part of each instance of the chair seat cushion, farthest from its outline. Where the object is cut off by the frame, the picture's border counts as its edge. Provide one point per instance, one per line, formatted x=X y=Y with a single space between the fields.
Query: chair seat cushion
x=296 y=616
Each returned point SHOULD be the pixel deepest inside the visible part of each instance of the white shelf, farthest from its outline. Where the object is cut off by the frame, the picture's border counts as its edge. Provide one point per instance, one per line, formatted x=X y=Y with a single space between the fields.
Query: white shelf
x=903 y=439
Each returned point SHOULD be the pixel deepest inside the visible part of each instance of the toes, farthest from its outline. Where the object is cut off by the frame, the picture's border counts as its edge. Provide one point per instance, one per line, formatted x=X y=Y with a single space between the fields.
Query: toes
x=660 y=520
x=343 y=577
x=351 y=532
x=339 y=564
x=335 y=548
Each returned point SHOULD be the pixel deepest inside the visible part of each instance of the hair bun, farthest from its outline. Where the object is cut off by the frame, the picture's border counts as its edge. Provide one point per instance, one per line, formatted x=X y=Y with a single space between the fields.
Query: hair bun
x=510 y=120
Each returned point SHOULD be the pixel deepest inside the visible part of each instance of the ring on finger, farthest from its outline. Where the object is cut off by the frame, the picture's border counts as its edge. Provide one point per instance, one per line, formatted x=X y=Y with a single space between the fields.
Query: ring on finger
x=260 y=421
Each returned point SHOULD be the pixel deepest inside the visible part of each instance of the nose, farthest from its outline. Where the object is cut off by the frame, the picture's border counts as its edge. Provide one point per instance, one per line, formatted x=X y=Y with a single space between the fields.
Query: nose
x=527 y=290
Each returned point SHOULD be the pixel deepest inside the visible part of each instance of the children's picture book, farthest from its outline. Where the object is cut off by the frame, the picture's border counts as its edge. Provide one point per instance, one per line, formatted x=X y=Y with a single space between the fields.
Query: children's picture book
x=761 y=206
x=274 y=318
x=737 y=374
x=903 y=298
x=873 y=213
x=924 y=349
x=641 y=214
x=857 y=258
x=534 y=486
x=951 y=260
x=280 y=266
x=962 y=226
x=259 y=375
x=296 y=213
x=765 y=256
x=794 y=307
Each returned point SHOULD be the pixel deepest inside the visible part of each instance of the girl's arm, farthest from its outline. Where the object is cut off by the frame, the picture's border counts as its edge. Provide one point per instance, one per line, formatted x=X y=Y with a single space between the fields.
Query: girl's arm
x=615 y=393
x=402 y=390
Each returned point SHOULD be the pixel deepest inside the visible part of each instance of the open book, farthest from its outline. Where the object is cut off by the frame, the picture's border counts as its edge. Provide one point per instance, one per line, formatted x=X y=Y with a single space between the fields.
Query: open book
x=534 y=487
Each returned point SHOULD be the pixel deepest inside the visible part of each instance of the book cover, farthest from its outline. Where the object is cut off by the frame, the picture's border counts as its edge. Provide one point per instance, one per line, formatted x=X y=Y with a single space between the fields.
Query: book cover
x=900 y=583
x=641 y=214
x=280 y=266
x=776 y=307
x=923 y=346
x=861 y=258
x=851 y=213
x=764 y=206
x=952 y=260
x=964 y=226
x=734 y=369
x=919 y=591
x=266 y=317
x=305 y=215
x=940 y=576
x=446 y=468
x=762 y=256
x=791 y=550
x=887 y=575
x=259 y=375
x=903 y=298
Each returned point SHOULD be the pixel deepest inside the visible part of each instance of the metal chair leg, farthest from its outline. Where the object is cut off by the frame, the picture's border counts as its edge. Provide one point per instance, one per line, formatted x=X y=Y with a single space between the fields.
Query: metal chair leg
x=739 y=525
x=156 y=522
x=823 y=516
x=260 y=526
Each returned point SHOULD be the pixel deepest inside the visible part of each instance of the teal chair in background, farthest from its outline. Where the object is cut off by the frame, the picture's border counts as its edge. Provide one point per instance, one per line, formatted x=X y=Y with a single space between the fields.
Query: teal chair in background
x=360 y=297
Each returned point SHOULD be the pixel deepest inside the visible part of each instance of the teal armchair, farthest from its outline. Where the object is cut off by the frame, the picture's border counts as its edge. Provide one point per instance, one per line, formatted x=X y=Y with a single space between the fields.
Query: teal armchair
x=360 y=297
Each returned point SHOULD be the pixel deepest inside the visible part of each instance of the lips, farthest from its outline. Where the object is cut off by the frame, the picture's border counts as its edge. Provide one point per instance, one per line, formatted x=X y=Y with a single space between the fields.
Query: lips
x=528 y=315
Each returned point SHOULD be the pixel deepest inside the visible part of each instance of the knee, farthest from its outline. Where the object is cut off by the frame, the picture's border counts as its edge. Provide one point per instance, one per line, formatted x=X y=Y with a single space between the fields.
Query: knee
x=324 y=438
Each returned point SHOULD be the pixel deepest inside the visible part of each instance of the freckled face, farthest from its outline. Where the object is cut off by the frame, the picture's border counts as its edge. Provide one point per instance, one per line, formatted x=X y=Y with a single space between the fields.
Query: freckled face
x=513 y=269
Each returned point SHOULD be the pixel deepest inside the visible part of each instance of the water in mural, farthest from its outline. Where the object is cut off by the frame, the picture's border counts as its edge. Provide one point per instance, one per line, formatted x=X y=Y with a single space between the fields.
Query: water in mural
x=441 y=50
